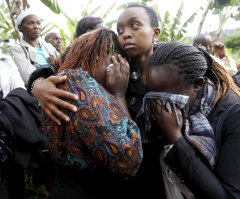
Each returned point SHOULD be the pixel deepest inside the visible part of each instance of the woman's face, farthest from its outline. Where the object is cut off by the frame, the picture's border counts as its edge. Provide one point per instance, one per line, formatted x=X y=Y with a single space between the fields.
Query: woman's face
x=31 y=27
x=167 y=80
x=135 y=34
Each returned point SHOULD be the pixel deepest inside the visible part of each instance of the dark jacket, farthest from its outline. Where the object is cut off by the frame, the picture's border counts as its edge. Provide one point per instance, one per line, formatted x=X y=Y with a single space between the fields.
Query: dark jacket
x=20 y=118
x=224 y=180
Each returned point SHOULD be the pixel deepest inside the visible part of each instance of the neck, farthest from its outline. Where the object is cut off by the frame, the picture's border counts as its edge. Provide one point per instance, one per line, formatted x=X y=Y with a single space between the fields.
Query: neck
x=140 y=63
x=34 y=43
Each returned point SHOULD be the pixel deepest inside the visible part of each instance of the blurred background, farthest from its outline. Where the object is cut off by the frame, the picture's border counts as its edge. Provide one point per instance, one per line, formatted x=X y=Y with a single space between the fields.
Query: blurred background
x=180 y=20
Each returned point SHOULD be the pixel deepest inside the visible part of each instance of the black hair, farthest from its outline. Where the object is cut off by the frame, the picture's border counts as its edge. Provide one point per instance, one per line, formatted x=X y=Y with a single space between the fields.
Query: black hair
x=188 y=61
x=151 y=13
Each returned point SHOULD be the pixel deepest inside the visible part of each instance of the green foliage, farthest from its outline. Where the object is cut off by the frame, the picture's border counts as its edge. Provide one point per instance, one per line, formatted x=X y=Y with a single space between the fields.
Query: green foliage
x=220 y=4
x=233 y=41
x=52 y=5
x=7 y=31
x=174 y=30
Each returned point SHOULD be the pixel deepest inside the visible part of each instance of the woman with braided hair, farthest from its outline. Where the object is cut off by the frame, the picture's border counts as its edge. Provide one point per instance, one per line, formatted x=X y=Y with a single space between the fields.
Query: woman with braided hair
x=195 y=103
x=100 y=142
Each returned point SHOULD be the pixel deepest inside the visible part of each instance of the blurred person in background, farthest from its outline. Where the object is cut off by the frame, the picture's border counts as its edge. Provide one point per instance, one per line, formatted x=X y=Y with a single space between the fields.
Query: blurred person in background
x=55 y=39
x=217 y=50
x=32 y=51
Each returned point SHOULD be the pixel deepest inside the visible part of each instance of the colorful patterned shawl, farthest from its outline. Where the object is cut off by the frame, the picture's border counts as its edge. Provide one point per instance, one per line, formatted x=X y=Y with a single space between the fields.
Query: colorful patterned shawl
x=98 y=134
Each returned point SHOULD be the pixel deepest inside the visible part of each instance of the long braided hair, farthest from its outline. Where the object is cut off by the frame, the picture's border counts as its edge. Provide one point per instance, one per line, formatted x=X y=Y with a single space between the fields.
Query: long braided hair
x=190 y=63
x=90 y=50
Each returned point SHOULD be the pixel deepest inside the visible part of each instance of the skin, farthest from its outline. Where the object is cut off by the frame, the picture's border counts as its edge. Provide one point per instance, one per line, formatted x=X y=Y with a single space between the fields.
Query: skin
x=31 y=29
x=207 y=44
x=135 y=27
x=171 y=82
x=136 y=36
x=56 y=40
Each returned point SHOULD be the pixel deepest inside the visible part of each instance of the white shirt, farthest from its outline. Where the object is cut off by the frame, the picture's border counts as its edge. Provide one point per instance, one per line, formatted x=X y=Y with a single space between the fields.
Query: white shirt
x=9 y=75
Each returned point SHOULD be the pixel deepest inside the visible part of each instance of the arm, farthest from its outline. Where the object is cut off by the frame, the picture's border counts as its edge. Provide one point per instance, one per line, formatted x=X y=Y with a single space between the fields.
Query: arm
x=220 y=183
x=24 y=65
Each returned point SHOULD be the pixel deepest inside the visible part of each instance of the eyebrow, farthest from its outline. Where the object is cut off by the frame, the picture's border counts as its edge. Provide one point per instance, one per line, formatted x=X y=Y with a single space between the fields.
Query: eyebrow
x=129 y=20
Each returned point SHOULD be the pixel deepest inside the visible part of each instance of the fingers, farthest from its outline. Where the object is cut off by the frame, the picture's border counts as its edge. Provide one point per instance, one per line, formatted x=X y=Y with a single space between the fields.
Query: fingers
x=116 y=65
x=61 y=93
x=65 y=94
x=63 y=104
x=57 y=79
x=124 y=66
x=52 y=117
x=109 y=74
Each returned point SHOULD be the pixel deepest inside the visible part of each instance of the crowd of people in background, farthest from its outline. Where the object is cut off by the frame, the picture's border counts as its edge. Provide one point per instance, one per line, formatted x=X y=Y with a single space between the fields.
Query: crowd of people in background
x=118 y=115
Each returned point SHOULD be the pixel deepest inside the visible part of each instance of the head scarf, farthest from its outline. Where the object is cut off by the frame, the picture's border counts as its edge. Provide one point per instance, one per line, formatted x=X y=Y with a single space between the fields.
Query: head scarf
x=21 y=17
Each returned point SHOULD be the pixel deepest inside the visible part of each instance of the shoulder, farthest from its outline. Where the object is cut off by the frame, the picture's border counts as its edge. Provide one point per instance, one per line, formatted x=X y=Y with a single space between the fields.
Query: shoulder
x=15 y=47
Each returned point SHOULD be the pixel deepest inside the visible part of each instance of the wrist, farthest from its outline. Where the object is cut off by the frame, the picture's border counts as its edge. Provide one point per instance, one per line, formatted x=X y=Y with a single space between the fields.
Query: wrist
x=34 y=83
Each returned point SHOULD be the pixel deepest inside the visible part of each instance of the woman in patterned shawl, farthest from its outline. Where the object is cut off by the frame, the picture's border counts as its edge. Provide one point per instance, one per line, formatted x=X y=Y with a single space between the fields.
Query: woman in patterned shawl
x=100 y=141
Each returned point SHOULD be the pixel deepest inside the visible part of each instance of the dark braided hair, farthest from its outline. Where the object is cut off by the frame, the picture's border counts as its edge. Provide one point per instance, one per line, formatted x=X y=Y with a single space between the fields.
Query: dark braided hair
x=90 y=51
x=191 y=63
x=151 y=13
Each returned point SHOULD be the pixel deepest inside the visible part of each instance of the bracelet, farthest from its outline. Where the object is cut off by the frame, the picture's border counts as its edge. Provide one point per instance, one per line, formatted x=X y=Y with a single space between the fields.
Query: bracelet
x=33 y=84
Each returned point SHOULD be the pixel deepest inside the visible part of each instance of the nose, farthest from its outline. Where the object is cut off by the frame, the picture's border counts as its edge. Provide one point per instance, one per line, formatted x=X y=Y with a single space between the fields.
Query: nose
x=127 y=33
x=37 y=25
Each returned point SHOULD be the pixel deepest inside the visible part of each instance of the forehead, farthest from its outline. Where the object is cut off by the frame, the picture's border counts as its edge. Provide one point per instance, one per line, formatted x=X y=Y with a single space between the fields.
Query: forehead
x=31 y=18
x=54 y=35
x=164 y=80
x=133 y=13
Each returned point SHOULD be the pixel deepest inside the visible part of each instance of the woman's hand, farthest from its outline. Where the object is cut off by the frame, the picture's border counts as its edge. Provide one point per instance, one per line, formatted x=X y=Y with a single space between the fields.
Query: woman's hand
x=117 y=80
x=117 y=77
x=168 y=123
x=49 y=97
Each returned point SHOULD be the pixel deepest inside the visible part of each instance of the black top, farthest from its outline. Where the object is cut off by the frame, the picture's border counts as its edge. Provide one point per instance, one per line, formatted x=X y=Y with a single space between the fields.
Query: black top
x=224 y=180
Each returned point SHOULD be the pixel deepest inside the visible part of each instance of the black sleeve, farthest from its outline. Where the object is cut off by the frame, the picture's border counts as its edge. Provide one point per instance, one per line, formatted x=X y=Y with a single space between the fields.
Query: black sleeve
x=43 y=71
x=221 y=182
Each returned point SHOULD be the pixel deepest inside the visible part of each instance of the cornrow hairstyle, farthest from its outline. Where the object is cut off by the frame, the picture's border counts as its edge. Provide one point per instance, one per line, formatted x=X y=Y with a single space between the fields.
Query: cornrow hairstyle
x=190 y=63
x=90 y=51
x=151 y=13
x=86 y=24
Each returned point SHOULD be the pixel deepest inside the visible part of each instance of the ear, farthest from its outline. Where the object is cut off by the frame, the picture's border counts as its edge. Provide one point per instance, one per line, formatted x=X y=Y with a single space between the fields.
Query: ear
x=198 y=83
x=20 y=28
x=156 y=32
